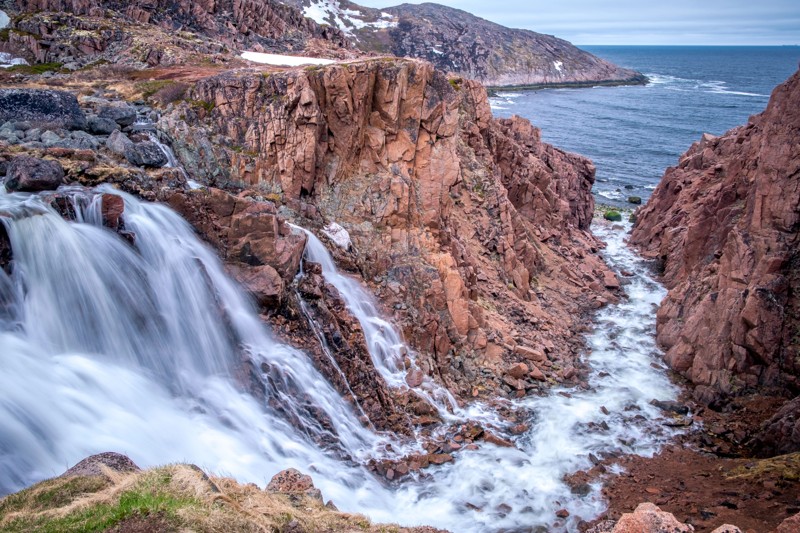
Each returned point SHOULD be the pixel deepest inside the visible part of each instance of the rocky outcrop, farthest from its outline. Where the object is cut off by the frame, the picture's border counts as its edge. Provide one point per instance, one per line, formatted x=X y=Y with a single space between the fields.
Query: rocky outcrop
x=259 y=24
x=724 y=225
x=471 y=229
x=459 y=42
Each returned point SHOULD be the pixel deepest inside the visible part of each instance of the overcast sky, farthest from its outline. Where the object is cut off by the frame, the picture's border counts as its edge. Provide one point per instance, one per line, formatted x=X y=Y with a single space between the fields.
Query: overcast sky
x=724 y=22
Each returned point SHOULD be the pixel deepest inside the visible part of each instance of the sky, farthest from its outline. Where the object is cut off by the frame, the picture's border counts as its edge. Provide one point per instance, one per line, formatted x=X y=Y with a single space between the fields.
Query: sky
x=672 y=22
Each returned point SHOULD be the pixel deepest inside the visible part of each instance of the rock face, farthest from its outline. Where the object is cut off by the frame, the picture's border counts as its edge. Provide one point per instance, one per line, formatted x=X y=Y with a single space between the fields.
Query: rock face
x=471 y=229
x=724 y=223
x=264 y=24
x=459 y=42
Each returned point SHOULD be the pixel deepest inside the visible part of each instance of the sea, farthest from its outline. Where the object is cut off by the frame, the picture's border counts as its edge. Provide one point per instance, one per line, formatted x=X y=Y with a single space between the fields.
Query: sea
x=633 y=133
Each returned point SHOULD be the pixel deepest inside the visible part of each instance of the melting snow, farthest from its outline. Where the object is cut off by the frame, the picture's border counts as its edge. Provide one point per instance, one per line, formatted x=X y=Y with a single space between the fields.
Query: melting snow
x=558 y=65
x=4 y=20
x=338 y=235
x=286 y=61
x=325 y=11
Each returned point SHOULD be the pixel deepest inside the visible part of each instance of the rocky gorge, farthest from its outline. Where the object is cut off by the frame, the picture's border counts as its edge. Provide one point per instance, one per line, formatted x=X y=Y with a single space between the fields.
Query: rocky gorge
x=473 y=235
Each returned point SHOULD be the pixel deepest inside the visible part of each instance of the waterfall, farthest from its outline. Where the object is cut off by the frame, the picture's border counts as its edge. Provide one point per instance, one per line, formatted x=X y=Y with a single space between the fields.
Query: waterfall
x=148 y=349
x=141 y=349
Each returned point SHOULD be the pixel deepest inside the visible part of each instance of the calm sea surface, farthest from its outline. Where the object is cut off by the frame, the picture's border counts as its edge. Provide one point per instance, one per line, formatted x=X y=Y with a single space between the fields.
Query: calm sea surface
x=634 y=133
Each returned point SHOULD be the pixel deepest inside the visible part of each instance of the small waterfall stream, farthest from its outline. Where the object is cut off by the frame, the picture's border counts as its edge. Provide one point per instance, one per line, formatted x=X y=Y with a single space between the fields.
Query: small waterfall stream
x=142 y=348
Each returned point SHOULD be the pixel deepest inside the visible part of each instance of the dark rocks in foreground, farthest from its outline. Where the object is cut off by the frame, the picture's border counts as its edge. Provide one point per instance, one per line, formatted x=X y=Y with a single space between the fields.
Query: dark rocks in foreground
x=31 y=174
x=42 y=108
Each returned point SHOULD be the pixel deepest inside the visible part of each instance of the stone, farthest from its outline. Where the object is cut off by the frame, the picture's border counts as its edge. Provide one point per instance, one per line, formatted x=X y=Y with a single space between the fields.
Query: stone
x=518 y=371
x=293 y=482
x=101 y=126
x=650 y=519
x=121 y=113
x=112 y=206
x=415 y=377
x=790 y=525
x=51 y=138
x=671 y=406
x=562 y=513
x=727 y=528
x=262 y=282
x=636 y=200
x=118 y=142
x=42 y=108
x=146 y=154
x=537 y=374
x=31 y=174
x=94 y=465
x=612 y=215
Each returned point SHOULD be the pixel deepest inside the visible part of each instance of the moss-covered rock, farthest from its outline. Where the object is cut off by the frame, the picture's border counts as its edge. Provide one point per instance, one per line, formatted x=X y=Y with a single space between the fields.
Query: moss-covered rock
x=613 y=215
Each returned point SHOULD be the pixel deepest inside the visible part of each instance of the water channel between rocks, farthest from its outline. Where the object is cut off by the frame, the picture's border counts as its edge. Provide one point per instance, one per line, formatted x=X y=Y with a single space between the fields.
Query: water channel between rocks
x=87 y=367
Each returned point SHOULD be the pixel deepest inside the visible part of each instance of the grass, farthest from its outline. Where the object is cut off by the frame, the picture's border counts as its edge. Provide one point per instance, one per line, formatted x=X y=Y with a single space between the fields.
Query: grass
x=170 y=498
x=39 y=68
x=36 y=509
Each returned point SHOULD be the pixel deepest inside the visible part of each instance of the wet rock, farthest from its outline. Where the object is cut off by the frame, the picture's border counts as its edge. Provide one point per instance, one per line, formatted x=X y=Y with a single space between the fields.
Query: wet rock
x=263 y=283
x=292 y=482
x=112 y=208
x=31 y=174
x=414 y=378
x=121 y=113
x=93 y=465
x=636 y=200
x=101 y=126
x=614 y=216
x=670 y=406
x=44 y=108
x=562 y=513
x=145 y=154
x=537 y=374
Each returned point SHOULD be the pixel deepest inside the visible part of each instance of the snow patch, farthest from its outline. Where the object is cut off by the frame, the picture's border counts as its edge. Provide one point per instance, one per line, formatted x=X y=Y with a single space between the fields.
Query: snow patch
x=327 y=11
x=558 y=65
x=4 y=20
x=437 y=52
x=338 y=235
x=285 y=61
x=7 y=60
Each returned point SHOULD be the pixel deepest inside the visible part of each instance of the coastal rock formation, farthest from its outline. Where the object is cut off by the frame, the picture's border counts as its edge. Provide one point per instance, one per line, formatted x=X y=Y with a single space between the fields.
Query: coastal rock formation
x=459 y=42
x=259 y=24
x=724 y=224
x=470 y=229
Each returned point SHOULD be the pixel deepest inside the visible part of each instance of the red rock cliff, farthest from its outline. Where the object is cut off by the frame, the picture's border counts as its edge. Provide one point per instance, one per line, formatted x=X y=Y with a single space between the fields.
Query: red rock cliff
x=470 y=228
x=725 y=224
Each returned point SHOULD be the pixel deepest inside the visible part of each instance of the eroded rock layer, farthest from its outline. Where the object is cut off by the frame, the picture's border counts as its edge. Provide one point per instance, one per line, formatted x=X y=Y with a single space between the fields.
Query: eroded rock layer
x=471 y=230
x=725 y=224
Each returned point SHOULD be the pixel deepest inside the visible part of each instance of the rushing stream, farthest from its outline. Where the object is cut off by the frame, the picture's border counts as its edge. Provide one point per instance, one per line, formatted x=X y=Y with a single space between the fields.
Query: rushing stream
x=140 y=349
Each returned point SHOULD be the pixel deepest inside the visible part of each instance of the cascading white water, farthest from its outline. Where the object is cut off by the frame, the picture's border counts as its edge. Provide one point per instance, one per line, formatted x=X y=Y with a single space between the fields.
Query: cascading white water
x=105 y=346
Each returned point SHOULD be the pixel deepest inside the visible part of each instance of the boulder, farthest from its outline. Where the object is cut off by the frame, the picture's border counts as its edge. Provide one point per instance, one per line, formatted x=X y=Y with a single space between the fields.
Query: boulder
x=31 y=174
x=647 y=518
x=781 y=433
x=145 y=154
x=518 y=371
x=42 y=108
x=636 y=200
x=790 y=525
x=292 y=482
x=121 y=113
x=95 y=464
x=262 y=282
x=101 y=126
x=118 y=142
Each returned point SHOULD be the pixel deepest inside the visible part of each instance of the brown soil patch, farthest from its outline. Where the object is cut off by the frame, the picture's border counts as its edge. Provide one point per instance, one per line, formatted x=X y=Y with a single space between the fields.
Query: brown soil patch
x=154 y=523
x=707 y=491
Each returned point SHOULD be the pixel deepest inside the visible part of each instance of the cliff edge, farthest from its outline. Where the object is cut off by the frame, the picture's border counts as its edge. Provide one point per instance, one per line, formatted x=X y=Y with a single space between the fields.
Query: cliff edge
x=724 y=224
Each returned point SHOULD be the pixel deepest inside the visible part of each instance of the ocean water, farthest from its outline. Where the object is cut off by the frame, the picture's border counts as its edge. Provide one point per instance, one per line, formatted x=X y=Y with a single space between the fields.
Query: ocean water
x=634 y=133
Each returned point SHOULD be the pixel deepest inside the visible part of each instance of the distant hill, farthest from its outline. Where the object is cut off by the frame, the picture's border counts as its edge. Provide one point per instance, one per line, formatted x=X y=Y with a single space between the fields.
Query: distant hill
x=459 y=42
